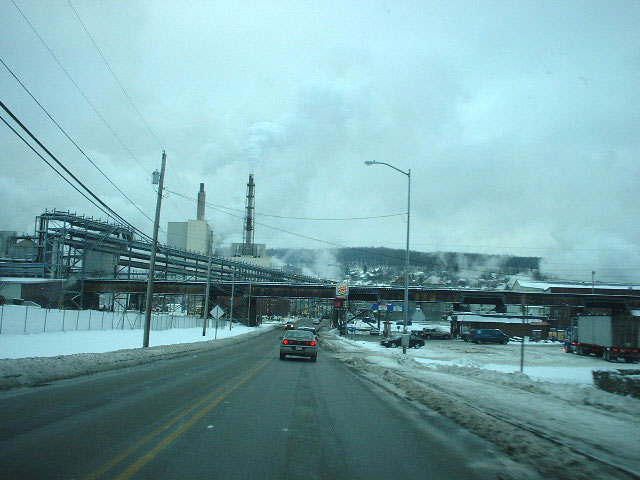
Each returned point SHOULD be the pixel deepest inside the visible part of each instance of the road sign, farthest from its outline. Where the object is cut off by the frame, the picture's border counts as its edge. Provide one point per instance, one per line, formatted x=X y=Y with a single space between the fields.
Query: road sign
x=352 y=329
x=217 y=312
x=342 y=290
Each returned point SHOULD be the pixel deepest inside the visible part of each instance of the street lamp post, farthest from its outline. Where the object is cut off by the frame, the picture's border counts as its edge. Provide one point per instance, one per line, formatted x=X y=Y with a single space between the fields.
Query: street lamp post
x=406 y=264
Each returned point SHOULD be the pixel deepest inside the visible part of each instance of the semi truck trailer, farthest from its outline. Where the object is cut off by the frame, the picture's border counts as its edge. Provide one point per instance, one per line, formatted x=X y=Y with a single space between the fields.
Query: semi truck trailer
x=611 y=336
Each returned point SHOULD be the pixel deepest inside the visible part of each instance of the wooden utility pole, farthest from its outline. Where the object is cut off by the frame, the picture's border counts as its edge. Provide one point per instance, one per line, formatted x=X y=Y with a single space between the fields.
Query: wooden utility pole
x=154 y=248
x=206 y=302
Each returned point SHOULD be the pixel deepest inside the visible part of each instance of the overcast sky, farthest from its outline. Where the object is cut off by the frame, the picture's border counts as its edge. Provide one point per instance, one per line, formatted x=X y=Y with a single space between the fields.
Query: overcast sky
x=519 y=120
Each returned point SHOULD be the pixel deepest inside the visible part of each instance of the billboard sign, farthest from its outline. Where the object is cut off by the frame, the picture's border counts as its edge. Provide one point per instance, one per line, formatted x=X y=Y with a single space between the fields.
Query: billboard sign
x=342 y=290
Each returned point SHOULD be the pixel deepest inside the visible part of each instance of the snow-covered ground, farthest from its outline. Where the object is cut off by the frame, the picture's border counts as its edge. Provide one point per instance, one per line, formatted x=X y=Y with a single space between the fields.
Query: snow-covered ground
x=100 y=341
x=38 y=332
x=35 y=358
x=551 y=416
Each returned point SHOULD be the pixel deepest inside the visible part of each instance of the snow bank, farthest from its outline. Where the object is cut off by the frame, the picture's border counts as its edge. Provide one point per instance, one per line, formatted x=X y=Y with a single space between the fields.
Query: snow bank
x=18 y=372
x=591 y=433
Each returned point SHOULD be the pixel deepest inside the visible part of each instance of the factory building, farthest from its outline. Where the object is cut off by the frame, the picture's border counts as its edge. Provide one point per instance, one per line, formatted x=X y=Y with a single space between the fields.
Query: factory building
x=192 y=235
x=17 y=246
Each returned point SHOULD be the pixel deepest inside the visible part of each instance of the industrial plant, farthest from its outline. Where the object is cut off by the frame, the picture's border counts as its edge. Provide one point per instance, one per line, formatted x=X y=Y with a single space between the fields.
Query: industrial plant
x=68 y=249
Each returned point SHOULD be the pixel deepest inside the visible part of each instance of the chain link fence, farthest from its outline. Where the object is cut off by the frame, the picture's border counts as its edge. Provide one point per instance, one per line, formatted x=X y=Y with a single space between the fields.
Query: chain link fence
x=15 y=319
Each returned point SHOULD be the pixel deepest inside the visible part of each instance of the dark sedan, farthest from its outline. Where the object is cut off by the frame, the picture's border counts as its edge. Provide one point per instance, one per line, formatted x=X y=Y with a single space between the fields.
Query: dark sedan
x=394 y=342
x=300 y=343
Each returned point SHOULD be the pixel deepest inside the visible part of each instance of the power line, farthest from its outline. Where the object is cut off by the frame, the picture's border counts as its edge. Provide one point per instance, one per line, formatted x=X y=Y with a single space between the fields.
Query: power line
x=326 y=242
x=61 y=165
x=106 y=212
x=55 y=170
x=78 y=87
x=285 y=217
x=128 y=97
x=72 y=141
x=115 y=76
x=378 y=254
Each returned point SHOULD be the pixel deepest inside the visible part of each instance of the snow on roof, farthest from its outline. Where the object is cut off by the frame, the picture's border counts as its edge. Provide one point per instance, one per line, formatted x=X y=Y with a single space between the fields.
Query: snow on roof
x=463 y=317
x=27 y=280
x=548 y=285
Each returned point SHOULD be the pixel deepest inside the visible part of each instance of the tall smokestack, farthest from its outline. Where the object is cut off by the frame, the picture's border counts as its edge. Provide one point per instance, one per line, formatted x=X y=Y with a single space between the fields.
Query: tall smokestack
x=201 y=197
x=248 y=235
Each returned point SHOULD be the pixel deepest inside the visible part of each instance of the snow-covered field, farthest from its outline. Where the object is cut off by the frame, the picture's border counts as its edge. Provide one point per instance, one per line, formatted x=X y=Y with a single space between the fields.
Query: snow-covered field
x=551 y=416
x=100 y=341
x=35 y=358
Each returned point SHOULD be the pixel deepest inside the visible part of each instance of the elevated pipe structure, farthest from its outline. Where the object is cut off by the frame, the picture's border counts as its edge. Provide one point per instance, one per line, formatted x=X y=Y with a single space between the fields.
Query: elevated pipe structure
x=68 y=245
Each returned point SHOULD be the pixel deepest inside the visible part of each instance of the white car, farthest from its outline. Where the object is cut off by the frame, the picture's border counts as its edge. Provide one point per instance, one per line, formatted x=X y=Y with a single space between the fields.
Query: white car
x=316 y=321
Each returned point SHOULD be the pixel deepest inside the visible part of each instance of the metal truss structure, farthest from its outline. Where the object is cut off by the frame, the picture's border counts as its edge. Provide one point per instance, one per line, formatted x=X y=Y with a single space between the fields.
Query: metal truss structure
x=70 y=246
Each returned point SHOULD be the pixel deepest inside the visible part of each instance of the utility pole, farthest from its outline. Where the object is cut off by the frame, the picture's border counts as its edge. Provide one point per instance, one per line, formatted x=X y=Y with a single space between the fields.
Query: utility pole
x=154 y=248
x=405 y=332
x=233 y=287
x=525 y=309
x=206 y=301
x=249 y=306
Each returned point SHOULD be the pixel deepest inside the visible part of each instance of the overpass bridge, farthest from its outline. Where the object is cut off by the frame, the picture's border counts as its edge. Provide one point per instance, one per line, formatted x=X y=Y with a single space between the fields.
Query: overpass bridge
x=564 y=304
x=372 y=293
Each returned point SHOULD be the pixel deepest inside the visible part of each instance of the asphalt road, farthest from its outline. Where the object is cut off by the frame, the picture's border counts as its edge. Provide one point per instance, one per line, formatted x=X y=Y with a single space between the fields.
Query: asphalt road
x=236 y=412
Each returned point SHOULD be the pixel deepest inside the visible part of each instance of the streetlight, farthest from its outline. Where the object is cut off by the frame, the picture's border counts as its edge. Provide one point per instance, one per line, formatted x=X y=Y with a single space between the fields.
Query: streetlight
x=406 y=265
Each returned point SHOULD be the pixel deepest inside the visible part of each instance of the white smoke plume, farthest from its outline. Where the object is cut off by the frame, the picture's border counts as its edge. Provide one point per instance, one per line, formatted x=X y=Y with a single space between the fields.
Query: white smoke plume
x=614 y=259
x=263 y=135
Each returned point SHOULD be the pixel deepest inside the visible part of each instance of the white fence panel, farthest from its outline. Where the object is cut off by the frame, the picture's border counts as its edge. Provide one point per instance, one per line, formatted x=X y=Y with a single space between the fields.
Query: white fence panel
x=17 y=319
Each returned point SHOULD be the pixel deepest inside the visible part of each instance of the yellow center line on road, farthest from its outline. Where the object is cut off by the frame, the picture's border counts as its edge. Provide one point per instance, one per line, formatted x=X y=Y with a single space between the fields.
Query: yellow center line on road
x=162 y=445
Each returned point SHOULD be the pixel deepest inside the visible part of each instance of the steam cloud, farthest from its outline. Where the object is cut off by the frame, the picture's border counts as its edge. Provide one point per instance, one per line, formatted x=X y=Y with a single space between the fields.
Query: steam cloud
x=263 y=135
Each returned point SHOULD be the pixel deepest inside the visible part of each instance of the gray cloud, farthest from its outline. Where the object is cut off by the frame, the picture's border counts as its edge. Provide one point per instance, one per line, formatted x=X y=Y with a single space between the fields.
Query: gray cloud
x=518 y=120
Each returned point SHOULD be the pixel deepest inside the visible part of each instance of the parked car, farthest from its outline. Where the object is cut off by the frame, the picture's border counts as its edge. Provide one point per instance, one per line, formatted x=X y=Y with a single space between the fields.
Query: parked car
x=374 y=331
x=488 y=335
x=300 y=343
x=394 y=342
x=429 y=333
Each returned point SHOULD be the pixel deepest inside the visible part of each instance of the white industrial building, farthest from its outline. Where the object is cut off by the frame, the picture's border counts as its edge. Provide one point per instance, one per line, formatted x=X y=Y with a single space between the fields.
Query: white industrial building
x=192 y=235
x=258 y=255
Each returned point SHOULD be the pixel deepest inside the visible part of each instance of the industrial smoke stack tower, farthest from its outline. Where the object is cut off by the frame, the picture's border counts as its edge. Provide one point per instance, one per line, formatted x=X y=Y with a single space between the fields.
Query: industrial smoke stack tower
x=201 y=199
x=248 y=235
x=248 y=250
